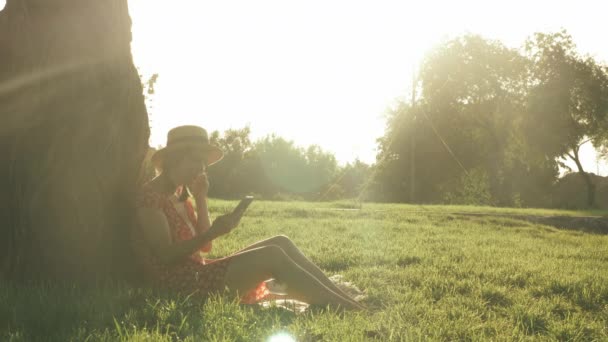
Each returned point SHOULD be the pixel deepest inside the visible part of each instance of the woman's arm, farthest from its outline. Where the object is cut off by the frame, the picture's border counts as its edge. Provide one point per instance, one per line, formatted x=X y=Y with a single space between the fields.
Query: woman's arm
x=157 y=234
x=199 y=188
x=203 y=222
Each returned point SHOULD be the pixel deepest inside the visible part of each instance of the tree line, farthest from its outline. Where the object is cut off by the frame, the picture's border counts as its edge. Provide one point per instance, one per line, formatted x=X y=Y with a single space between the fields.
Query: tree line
x=275 y=168
x=492 y=125
x=487 y=125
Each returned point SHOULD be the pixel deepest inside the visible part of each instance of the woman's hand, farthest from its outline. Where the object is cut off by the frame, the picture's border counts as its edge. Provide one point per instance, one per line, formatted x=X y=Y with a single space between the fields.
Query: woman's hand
x=199 y=186
x=224 y=224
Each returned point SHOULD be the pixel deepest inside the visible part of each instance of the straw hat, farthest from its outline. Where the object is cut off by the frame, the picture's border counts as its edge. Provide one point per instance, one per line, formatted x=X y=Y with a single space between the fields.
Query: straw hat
x=186 y=137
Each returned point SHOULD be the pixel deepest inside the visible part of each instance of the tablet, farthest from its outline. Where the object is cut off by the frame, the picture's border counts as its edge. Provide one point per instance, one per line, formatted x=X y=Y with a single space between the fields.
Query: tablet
x=242 y=206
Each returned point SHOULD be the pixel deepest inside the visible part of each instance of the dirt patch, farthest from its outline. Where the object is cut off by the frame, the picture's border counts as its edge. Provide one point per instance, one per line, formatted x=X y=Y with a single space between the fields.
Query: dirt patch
x=588 y=224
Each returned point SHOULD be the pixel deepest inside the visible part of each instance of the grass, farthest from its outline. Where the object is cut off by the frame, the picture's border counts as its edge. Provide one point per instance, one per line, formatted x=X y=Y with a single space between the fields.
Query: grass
x=429 y=275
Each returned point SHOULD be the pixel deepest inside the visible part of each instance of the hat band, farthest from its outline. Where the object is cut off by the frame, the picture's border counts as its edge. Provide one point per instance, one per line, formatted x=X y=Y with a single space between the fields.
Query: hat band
x=193 y=139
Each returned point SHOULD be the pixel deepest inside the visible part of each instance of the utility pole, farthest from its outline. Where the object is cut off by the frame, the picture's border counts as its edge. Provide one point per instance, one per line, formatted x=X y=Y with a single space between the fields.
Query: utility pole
x=413 y=142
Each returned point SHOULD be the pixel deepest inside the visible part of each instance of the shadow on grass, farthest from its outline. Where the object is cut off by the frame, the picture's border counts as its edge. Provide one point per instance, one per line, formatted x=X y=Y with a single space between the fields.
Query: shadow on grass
x=119 y=312
x=56 y=312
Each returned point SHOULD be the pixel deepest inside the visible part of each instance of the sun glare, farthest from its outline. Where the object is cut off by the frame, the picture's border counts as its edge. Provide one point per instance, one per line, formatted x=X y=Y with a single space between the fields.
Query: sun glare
x=315 y=72
x=281 y=337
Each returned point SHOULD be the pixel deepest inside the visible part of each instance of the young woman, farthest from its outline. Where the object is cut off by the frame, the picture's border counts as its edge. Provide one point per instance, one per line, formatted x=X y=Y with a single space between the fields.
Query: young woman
x=167 y=244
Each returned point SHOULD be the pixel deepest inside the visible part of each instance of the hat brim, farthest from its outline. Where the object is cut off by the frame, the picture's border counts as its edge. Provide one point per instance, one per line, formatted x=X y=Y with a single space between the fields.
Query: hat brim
x=213 y=153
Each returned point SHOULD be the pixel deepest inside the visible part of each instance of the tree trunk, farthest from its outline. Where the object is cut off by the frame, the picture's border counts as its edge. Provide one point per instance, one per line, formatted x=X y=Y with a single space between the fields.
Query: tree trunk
x=586 y=178
x=73 y=133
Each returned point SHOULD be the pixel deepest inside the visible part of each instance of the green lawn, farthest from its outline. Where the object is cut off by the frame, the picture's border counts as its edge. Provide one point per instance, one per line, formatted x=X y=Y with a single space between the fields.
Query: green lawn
x=430 y=274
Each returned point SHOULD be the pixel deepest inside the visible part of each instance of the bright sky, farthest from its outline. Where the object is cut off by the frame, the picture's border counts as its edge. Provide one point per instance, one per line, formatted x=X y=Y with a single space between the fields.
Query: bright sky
x=321 y=72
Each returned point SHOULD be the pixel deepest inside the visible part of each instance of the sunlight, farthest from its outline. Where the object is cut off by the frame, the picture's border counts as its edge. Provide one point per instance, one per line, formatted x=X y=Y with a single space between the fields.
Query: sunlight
x=298 y=74
x=281 y=337
x=315 y=72
x=459 y=226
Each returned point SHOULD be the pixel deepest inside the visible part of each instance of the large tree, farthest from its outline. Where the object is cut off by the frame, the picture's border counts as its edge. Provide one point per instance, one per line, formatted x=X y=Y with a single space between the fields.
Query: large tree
x=73 y=133
x=472 y=88
x=462 y=140
x=463 y=130
x=567 y=101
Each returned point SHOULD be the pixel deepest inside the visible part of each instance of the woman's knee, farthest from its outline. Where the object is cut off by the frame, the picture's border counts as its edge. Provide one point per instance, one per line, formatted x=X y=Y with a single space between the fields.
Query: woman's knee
x=272 y=255
x=283 y=241
x=266 y=260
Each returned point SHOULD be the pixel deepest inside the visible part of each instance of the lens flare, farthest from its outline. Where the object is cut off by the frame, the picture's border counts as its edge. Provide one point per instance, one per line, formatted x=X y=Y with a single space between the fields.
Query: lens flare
x=281 y=337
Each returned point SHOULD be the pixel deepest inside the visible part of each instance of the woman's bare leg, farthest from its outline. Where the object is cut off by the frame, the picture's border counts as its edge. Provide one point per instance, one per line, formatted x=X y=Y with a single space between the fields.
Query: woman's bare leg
x=247 y=269
x=299 y=258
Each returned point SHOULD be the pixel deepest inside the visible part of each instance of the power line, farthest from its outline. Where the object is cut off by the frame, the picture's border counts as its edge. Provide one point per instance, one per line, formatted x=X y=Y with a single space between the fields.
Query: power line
x=393 y=138
x=444 y=143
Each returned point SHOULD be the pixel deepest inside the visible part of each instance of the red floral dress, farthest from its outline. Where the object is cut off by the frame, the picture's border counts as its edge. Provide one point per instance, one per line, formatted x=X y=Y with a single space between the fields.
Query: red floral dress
x=194 y=274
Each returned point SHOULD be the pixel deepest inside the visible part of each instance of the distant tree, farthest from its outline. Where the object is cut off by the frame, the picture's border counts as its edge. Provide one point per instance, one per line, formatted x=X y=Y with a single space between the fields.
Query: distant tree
x=272 y=167
x=467 y=117
x=147 y=171
x=465 y=127
x=354 y=179
x=472 y=188
x=473 y=92
x=322 y=167
x=149 y=87
x=567 y=192
x=292 y=169
x=230 y=178
x=567 y=101
x=392 y=179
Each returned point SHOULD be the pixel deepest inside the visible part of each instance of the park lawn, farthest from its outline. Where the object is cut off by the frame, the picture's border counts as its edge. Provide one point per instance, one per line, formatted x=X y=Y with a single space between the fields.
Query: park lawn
x=430 y=274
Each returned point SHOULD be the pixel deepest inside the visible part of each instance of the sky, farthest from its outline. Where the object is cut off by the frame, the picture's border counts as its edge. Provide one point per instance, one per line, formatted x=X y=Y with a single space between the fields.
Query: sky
x=321 y=72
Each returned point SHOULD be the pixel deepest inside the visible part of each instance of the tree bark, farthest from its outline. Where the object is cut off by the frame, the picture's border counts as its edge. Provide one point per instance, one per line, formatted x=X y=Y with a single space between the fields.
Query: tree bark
x=586 y=178
x=73 y=133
